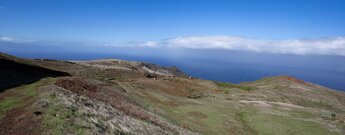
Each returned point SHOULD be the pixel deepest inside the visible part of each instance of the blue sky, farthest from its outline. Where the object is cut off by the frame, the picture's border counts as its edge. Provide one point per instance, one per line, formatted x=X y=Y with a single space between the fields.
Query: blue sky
x=269 y=26
x=145 y=20
x=216 y=35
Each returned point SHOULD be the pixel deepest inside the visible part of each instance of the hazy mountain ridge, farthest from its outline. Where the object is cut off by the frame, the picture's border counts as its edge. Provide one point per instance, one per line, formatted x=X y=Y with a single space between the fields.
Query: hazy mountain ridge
x=124 y=97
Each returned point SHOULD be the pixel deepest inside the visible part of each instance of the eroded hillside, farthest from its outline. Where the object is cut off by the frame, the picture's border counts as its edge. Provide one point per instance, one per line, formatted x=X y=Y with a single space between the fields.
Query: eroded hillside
x=124 y=97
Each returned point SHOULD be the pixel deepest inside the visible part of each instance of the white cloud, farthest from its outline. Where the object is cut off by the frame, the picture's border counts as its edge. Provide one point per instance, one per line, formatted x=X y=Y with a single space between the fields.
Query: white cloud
x=321 y=46
x=14 y=40
x=324 y=46
x=7 y=39
x=151 y=44
x=127 y=44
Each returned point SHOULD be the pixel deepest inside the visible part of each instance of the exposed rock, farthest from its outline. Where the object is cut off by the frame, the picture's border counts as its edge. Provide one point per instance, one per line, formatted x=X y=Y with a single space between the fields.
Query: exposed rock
x=102 y=118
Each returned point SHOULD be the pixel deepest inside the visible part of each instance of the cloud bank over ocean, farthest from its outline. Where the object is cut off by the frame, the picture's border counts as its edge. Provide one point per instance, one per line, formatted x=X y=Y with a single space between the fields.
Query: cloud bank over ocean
x=320 y=46
x=14 y=40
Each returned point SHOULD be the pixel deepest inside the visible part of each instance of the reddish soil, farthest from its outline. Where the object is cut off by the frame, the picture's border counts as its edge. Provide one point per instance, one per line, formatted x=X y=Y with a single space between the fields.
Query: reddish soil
x=292 y=79
x=217 y=91
x=78 y=86
x=111 y=96
x=20 y=121
x=197 y=114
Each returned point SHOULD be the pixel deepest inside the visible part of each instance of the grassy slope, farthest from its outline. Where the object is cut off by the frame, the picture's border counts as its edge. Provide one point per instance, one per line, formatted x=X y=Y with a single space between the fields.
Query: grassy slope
x=57 y=116
x=214 y=114
x=17 y=97
x=218 y=110
x=221 y=113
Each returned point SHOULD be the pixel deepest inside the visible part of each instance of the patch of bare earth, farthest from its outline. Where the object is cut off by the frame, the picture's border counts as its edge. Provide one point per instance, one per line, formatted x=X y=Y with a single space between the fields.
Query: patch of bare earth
x=114 y=98
x=20 y=120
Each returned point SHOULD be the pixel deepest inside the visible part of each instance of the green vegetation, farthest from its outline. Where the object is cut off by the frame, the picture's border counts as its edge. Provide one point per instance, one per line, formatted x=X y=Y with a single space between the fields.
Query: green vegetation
x=276 y=105
x=231 y=85
x=243 y=123
x=58 y=117
x=219 y=116
x=7 y=104
x=315 y=104
x=226 y=91
x=30 y=90
x=268 y=124
x=210 y=119
x=18 y=96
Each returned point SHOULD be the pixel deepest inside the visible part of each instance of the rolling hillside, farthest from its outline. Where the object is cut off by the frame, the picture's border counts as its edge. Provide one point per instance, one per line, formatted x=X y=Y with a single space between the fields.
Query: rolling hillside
x=113 y=96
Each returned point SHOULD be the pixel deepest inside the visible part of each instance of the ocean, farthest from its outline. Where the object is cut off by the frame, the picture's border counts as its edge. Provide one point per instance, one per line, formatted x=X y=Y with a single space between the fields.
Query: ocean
x=223 y=65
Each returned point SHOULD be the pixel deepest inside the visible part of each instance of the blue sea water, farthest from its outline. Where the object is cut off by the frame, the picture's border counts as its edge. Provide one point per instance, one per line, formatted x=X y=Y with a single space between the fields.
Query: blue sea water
x=227 y=66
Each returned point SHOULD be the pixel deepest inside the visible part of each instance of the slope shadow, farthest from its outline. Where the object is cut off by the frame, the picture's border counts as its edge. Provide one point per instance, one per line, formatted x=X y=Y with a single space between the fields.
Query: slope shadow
x=13 y=74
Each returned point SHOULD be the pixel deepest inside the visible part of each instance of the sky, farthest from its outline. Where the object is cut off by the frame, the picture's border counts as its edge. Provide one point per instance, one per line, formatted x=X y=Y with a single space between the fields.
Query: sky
x=271 y=26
